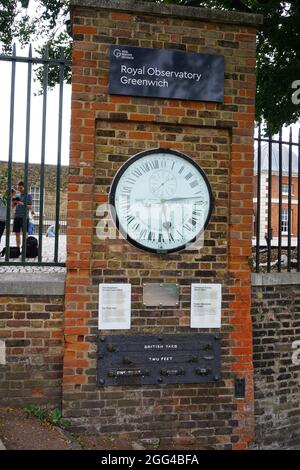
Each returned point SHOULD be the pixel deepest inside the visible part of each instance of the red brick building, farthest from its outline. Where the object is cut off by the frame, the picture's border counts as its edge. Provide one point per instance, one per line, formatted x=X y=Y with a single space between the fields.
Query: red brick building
x=276 y=223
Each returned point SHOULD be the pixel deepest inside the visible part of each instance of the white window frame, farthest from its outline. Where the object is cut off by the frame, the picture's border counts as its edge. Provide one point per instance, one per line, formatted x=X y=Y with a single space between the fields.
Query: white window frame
x=285 y=220
x=286 y=191
x=35 y=191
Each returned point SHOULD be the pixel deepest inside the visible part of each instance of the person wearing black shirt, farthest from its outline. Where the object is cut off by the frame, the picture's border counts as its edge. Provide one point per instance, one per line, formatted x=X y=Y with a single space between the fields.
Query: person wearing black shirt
x=19 y=203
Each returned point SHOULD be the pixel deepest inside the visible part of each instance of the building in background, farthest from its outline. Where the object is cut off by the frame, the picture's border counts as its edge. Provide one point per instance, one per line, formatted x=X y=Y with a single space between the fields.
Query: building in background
x=278 y=222
x=34 y=186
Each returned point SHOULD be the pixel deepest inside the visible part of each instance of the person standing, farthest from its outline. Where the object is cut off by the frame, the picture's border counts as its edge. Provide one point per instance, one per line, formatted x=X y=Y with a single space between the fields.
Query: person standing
x=19 y=203
x=31 y=223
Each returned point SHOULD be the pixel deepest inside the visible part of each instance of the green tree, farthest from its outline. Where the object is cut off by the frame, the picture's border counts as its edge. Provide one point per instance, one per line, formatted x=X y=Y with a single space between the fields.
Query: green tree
x=278 y=44
x=43 y=25
x=278 y=55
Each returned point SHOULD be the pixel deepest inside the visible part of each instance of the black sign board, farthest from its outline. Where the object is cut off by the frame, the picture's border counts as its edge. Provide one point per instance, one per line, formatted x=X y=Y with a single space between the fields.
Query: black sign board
x=166 y=74
x=162 y=359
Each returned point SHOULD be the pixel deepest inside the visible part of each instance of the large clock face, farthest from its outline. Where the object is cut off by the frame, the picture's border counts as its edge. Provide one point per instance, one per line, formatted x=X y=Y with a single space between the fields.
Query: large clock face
x=161 y=200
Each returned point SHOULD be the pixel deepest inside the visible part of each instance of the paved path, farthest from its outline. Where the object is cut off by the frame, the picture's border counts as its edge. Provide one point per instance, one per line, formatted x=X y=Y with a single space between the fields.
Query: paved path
x=48 y=255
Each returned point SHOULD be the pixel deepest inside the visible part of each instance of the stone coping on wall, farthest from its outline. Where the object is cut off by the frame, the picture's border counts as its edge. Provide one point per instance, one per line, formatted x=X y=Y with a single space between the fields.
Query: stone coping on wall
x=274 y=279
x=178 y=11
x=54 y=283
x=32 y=284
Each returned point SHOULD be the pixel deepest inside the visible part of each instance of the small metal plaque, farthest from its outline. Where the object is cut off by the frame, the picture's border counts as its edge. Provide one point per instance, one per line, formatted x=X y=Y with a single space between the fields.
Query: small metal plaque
x=161 y=295
x=161 y=359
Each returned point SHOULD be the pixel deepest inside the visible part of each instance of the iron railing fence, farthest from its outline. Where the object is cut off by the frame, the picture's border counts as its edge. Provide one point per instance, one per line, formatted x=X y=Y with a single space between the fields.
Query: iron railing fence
x=48 y=65
x=276 y=234
x=49 y=220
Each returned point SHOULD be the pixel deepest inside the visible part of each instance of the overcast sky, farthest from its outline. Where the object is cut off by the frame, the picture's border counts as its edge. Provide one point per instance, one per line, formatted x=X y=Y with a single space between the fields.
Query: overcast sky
x=36 y=115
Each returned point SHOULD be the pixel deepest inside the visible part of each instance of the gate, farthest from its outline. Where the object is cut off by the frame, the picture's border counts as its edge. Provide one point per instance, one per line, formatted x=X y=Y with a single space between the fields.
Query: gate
x=47 y=66
x=276 y=237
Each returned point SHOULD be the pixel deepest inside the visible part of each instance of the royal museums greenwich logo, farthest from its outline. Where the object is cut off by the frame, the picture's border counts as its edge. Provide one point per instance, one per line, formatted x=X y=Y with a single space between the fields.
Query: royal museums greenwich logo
x=123 y=54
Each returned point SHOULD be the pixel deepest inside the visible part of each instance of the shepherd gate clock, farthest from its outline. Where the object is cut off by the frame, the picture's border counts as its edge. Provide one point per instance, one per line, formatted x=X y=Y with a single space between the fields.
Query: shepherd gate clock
x=161 y=201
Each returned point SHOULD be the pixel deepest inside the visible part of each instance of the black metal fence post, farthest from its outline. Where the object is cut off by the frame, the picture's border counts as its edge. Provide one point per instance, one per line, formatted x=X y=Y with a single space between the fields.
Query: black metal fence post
x=290 y=201
x=258 y=200
x=270 y=187
x=279 y=200
x=26 y=166
x=298 y=208
x=10 y=151
x=43 y=149
x=59 y=138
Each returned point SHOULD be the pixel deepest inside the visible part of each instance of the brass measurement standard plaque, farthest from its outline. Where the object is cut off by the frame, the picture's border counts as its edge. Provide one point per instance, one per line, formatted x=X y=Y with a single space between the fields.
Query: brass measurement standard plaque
x=158 y=359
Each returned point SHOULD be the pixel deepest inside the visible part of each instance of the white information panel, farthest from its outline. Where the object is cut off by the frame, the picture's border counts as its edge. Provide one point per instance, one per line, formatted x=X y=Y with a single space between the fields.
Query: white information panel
x=206 y=305
x=114 y=307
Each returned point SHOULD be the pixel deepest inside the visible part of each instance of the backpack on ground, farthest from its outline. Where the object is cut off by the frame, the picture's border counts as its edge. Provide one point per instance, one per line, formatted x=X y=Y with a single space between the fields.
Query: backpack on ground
x=14 y=252
x=32 y=247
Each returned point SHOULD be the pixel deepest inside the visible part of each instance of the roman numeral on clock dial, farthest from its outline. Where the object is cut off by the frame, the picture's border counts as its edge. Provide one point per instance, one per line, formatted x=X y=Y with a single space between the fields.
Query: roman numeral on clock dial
x=162 y=200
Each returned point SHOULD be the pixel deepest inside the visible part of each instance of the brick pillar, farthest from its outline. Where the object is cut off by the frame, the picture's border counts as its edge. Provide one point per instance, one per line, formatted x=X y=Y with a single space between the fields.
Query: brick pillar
x=105 y=131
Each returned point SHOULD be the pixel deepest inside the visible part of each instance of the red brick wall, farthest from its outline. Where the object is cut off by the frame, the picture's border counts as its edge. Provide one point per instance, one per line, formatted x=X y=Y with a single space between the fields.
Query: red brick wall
x=106 y=130
x=32 y=328
x=276 y=316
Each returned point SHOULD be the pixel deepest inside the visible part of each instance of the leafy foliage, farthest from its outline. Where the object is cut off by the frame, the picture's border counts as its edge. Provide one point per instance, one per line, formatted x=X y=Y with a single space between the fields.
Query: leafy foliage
x=20 y=22
x=7 y=27
x=44 y=28
x=56 y=48
x=278 y=55
x=43 y=414
x=278 y=45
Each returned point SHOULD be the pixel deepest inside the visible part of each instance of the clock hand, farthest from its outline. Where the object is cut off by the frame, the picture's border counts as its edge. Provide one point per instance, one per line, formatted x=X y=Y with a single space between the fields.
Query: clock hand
x=151 y=201
x=170 y=179
x=166 y=224
x=179 y=199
